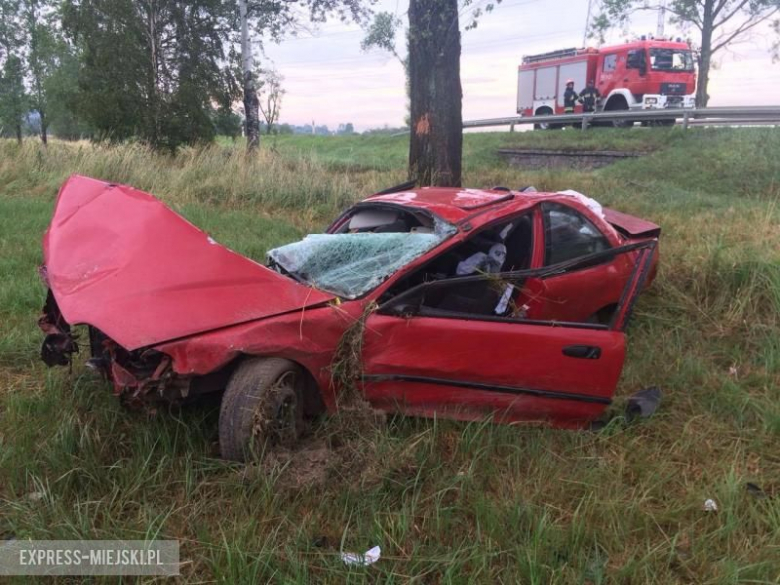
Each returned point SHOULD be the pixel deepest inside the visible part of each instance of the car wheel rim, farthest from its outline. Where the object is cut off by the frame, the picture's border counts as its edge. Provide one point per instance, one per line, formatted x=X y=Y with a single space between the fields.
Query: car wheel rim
x=286 y=409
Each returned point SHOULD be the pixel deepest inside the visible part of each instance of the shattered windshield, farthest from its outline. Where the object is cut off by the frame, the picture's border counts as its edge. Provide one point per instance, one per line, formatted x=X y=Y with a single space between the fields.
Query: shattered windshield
x=671 y=60
x=352 y=264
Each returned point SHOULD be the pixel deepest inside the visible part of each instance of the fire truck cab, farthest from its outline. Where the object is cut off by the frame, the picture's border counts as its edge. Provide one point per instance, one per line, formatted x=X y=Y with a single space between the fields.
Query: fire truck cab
x=641 y=74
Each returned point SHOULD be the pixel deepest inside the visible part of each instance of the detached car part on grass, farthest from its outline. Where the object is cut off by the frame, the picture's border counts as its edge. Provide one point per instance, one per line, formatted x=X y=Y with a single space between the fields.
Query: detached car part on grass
x=472 y=303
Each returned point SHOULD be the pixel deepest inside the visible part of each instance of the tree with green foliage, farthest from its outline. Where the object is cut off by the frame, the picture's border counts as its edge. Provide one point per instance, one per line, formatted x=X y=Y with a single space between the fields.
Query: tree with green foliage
x=270 y=97
x=42 y=56
x=13 y=98
x=62 y=93
x=381 y=34
x=719 y=23
x=227 y=122
x=151 y=69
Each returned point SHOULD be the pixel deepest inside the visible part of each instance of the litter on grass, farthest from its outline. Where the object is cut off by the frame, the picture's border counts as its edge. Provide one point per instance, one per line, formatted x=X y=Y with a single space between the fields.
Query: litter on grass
x=644 y=403
x=710 y=506
x=369 y=558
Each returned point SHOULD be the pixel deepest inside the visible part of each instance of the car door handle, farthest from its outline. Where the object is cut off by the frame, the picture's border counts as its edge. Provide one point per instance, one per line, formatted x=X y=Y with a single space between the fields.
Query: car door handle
x=586 y=352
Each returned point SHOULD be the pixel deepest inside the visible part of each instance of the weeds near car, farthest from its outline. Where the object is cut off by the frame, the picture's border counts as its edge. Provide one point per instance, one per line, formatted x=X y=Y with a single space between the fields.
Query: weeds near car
x=447 y=502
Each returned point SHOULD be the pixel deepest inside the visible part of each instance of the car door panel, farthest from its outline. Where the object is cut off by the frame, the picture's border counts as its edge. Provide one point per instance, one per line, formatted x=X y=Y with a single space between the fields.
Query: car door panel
x=433 y=362
x=577 y=295
x=468 y=368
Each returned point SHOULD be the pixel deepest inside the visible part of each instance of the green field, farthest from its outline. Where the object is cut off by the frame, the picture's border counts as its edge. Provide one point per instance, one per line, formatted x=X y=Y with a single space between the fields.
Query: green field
x=448 y=502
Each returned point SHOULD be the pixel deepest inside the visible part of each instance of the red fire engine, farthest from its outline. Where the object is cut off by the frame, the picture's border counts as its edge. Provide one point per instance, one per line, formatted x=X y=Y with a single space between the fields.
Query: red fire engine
x=638 y=75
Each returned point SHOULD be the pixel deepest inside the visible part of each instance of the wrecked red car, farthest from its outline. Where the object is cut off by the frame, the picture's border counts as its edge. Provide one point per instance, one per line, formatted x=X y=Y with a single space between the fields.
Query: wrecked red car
x=469 y=303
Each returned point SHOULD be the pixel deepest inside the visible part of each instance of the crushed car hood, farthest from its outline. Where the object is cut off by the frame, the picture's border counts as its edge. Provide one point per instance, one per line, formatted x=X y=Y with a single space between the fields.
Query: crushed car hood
x=118 y=259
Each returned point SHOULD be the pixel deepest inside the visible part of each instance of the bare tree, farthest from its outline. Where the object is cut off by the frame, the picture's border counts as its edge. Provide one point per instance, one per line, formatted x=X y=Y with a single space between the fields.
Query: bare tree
x=271 y=94
x=719 y=22
x=251 y=101
x=274 y=19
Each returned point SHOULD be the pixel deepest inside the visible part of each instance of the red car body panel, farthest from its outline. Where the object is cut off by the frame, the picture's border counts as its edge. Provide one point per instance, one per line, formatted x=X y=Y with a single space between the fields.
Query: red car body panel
x=630 y=225
x=120 y=260
x=469 y=369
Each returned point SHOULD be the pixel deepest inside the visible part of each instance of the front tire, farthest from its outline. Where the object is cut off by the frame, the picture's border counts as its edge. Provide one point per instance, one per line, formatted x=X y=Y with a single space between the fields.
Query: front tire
x=618 y=104
x=262 y=405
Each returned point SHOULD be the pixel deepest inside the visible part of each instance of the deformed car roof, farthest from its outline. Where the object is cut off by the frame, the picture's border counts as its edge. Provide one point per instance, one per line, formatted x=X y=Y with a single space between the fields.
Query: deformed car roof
x=458 y=205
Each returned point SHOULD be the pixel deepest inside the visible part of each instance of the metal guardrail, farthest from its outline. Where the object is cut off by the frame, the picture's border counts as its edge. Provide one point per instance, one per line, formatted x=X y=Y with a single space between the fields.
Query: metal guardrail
x=690 y=116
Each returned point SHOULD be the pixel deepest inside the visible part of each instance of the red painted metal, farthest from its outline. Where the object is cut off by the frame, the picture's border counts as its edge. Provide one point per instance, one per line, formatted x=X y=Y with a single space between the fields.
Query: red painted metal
x=508 y=354
x=120 y=260
x=631 y=225
x=453 y=205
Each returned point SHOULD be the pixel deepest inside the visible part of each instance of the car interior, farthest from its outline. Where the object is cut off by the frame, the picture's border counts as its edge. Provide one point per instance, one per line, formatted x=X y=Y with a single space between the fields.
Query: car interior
x=481 y=297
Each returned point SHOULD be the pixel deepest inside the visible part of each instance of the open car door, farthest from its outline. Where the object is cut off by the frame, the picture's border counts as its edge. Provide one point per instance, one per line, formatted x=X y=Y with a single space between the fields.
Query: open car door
x=423 y=360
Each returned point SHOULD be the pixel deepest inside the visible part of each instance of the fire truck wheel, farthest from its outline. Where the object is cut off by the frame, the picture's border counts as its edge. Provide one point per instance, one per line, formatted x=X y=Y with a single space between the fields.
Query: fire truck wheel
x=545 y=111
x=618 y=103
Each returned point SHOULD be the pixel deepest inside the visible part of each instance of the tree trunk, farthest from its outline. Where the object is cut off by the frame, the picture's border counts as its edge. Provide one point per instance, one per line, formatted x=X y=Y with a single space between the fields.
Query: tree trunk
x=44 y=129
x=19 y=133
x=436 y=132
x=705 y=56
x=251 y=101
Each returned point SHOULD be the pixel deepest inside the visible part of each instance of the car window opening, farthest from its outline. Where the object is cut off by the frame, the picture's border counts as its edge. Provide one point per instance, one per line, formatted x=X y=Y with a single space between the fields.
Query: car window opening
x=569 y=234
x=506 y=247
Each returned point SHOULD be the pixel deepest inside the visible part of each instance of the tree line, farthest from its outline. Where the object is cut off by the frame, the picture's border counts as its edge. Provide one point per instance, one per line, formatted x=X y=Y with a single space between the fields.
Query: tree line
x=168 y=72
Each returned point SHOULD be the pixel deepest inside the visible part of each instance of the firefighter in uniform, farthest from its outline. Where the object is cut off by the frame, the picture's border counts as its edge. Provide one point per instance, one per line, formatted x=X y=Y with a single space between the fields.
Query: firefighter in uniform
x=569 y=97
x=589 y=96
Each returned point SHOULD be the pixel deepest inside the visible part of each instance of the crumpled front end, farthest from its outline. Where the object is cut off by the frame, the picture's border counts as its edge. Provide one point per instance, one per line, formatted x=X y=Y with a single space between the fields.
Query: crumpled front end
x=141 y=378
x=60 y=344
x=138 y=275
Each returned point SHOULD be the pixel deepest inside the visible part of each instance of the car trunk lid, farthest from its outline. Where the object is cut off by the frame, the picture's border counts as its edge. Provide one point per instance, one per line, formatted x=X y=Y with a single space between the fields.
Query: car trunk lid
x=631 y=226
x=120 y=260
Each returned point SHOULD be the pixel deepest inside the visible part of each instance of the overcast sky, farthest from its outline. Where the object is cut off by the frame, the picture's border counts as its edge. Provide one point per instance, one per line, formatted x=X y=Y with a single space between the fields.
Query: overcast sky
x=328 y=78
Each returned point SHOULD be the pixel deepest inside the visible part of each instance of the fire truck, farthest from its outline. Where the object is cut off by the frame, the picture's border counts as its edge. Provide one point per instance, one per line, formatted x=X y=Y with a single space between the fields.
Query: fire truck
x=643 y=74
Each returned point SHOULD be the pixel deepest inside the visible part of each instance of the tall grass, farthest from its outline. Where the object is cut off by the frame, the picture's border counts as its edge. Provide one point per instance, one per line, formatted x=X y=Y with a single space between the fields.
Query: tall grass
x=448 y=502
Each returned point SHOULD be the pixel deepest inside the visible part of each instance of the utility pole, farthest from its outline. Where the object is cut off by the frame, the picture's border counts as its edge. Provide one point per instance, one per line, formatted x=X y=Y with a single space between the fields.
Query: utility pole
x=587 y=23
x=659 y=31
